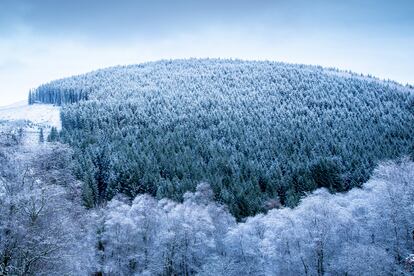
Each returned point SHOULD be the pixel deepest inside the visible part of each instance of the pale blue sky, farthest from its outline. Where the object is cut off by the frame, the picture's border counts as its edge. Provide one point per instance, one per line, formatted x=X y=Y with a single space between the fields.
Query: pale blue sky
x=41 y=40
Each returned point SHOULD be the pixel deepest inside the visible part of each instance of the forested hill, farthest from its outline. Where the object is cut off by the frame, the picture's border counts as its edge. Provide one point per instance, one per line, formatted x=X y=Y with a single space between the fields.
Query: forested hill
x=258 y=132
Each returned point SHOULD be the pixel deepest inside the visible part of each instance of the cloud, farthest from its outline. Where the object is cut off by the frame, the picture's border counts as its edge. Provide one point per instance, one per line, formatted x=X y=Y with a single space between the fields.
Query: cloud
x=110 y=20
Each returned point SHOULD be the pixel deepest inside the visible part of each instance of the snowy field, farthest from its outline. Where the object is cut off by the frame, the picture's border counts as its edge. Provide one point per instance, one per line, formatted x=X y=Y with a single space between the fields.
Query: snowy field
x=31 y=118
x=40 y=115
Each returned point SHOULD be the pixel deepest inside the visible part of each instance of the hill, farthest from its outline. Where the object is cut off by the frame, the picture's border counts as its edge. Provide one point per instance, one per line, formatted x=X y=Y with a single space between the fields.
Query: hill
x=258 y=132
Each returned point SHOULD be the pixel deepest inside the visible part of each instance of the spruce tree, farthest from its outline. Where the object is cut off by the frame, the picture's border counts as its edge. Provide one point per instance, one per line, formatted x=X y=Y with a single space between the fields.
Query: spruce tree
x=30 y=98
x=41 y=136
x=53 y=135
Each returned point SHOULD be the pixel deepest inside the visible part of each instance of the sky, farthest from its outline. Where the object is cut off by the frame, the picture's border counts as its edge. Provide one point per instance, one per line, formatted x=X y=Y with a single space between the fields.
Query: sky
x=42 y=40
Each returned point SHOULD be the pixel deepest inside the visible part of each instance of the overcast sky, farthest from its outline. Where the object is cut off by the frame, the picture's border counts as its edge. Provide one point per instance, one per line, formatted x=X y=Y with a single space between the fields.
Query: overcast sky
x=41 y=40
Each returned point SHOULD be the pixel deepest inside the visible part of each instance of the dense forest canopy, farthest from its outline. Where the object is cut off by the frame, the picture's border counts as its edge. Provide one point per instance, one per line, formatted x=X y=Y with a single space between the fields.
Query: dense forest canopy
x=257 y=132
x=44 y=230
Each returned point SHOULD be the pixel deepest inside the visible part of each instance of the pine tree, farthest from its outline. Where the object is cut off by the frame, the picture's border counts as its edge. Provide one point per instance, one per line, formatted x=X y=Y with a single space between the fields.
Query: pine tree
x=41 y=136
x=30 y=98
x=53 y=135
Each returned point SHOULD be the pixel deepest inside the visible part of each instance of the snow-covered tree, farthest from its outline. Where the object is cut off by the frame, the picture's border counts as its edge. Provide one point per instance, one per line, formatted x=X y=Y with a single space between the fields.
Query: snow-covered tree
x=255 y=131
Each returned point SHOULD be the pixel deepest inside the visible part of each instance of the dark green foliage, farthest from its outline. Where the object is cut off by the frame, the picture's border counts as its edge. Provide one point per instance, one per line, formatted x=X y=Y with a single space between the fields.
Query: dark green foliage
x=253 y=130
x=41 y=136
x=58 y=96
x=327 y=174
x=53 y=135
x=30 y=100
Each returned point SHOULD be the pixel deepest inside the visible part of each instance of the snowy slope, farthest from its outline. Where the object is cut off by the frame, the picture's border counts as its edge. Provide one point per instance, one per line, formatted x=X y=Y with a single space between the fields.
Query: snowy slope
x=40 y=115
x=31 y=118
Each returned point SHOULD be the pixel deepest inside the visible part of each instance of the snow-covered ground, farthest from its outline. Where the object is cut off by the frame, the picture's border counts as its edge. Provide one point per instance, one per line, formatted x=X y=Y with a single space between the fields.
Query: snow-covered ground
x=40 y=115
x=31 y=118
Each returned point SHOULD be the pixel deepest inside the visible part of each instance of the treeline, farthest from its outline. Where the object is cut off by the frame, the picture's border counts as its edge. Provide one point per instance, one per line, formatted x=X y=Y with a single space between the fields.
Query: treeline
x=51 y=95
x=258 y=132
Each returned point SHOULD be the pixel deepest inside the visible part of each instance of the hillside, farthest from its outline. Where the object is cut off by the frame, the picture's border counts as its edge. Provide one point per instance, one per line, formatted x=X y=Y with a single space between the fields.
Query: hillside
x=38 y=114
x=258 y=132
x=29 y=119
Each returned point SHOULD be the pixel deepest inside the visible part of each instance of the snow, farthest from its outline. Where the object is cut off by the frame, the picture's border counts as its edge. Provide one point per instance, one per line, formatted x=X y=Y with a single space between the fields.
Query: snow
x=40 y=115
x=31 y=118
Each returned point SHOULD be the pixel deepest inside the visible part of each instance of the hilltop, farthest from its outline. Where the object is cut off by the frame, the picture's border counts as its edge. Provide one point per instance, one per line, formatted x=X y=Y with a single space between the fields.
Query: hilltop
x=258 y=132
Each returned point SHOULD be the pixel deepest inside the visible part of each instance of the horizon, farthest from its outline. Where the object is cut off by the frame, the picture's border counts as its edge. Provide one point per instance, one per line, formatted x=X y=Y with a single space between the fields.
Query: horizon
x=41 y=41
